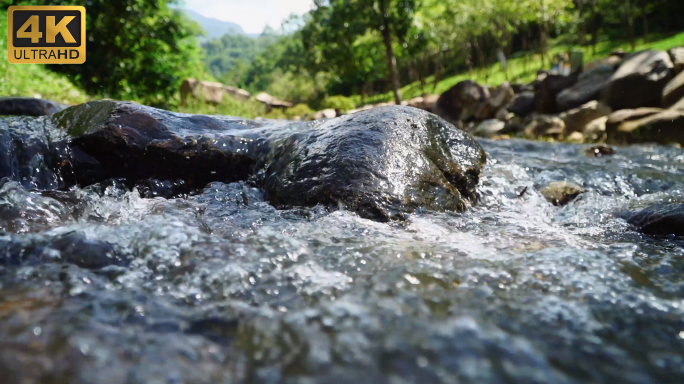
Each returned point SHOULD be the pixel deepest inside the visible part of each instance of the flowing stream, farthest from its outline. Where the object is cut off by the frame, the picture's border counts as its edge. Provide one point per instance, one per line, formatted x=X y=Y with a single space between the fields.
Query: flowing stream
x=99 y=285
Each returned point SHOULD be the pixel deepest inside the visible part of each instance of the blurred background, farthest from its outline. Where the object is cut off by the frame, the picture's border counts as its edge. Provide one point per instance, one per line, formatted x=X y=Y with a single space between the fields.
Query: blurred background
x=289 y=59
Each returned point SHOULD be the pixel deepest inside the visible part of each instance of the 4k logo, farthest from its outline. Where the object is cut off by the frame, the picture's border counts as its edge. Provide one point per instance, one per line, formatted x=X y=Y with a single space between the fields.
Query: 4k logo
x=46 y=35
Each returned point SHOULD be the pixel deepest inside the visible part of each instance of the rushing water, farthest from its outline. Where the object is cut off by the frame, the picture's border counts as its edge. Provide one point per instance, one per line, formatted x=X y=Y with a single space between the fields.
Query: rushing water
x=98 y=285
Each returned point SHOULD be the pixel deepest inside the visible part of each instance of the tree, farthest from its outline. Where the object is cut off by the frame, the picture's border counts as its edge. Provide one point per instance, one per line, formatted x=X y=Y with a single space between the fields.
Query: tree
x=390 y=18
x=136 y=49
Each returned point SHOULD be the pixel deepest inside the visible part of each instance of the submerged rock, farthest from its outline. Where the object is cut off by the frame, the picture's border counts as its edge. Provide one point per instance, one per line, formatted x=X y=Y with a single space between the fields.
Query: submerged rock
x=561 y=192
x=599 y=151
x=380 y=163
x=28 y=106
x=657 y=220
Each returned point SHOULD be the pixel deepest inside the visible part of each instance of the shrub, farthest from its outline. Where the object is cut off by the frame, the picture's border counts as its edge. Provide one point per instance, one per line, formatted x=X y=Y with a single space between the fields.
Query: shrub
x=342 y=103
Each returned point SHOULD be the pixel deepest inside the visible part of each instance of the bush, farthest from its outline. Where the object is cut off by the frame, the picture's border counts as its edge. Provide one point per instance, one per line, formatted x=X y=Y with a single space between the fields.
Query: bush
x=229 y=107
x=342 y=103
x=137 y=49
x=300 y=110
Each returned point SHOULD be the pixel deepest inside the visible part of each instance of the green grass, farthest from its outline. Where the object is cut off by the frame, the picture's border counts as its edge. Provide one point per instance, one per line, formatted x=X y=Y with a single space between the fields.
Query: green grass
x=522 y=68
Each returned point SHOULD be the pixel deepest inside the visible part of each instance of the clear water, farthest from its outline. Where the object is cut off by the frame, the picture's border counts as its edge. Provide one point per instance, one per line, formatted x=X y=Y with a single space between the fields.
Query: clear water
x=222 y=288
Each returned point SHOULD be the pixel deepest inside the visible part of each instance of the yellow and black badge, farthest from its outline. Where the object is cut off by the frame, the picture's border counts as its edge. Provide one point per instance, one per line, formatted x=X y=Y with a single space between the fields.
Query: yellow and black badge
x=46 y=35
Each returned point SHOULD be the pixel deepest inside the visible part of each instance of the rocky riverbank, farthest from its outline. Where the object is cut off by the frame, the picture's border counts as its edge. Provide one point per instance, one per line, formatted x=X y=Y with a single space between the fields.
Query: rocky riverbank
x=622 y=99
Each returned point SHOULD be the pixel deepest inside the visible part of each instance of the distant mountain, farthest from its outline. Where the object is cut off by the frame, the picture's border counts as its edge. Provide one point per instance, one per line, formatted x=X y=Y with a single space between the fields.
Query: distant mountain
x=215 y=28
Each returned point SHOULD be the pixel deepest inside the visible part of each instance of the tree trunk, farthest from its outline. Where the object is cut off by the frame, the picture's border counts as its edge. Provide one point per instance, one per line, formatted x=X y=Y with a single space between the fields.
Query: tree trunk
x=630 y=23
x=391 y=60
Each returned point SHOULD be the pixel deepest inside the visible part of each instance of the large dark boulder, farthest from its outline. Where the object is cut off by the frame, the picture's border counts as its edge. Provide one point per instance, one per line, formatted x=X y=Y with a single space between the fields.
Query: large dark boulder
x=380 y=163
x=103 y=140
x=588 y=88
x=639 y=82
x=136 y=142
x=660 y=220
x=523 y=104
x=28 y=106
x=548 y=86
x=460 y=102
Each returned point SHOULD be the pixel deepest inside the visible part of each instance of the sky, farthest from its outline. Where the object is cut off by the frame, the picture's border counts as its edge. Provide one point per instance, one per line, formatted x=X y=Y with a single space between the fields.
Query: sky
x=251 y=15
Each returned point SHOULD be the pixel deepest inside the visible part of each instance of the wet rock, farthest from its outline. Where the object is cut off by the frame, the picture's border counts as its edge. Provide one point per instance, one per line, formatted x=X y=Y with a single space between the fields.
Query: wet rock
x=162 y=188
x=577 y=119
x=139 y=143
x=599 y=151
x=32 y=151
x=639 y=82
x=499 y=98
x=588 y=88
x=380 y=163
x=523 y=104
x=460 y=102
x=595 y=130
x=645 y=125
x=28 y=106
x=674 y=91
x=490 y=128
x=548 y=86
x=660 y=220
x=677 y=57
x=561 y=192
x=23 y=211
x=545 y=125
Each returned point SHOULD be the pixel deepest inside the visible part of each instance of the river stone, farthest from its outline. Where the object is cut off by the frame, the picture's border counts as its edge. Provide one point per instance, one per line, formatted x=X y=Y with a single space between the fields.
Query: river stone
x=677 y=57
x=548 y=86
x=577 y=119
x=28 y=106
x=595 y=131
x=639 y=82
x=589 y=88
x=561 y=192
x=500 y=97
x=649 y=126
x=658 y=220
x=674 y=91
x=546 y=126
x=599 y=151
x=490 y=128
x=380 y=163
x=460 y=102
x=136 y=142
x=523 y=104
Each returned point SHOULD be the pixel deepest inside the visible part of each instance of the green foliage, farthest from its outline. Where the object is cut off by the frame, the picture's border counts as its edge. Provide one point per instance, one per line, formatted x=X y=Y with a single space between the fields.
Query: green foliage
x=299 y=110
x=341 y=103
x=229 y=107
x=34 y=80
x=136 y=49
x=228 y=56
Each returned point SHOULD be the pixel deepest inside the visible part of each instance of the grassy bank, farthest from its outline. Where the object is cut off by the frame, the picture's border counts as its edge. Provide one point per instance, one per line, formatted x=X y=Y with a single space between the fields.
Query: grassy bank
x=522 y=68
